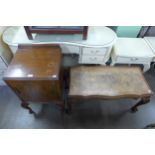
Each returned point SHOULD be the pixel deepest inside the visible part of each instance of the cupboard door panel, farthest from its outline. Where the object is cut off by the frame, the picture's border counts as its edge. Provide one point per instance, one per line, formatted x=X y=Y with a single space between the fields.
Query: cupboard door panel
x=37 y=91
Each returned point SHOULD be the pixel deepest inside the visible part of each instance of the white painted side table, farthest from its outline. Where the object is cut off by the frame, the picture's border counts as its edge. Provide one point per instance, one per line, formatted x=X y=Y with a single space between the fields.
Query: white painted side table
x=151 y=42
x=132 y=51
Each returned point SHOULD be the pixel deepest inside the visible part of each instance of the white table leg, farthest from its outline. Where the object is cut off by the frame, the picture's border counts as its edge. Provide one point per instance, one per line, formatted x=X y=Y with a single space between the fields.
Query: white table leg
x=146 y=67
x=113 y=62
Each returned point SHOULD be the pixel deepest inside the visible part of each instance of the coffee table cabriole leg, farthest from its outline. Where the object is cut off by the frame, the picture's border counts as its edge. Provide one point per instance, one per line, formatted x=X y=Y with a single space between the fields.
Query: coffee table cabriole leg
x=142 y=101
x=25 y=105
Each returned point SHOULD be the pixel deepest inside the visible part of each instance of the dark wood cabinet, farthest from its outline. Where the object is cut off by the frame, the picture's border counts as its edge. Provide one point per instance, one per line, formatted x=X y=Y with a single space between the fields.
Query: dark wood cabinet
x=35 y=74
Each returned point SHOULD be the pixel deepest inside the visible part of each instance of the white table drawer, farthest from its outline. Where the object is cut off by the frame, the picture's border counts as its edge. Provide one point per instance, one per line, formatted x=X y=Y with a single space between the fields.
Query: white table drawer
x=133 y=60
x=92 y=59
x=94 y=51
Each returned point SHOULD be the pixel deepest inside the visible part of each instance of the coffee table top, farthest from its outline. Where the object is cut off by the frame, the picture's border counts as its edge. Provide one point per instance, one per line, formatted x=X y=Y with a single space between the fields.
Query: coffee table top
x=108 y=82
x=35 y=62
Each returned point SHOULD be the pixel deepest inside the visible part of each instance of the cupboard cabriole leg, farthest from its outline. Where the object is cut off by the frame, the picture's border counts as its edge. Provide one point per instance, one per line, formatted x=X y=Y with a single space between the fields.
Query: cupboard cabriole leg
x=62 y=107
x=69 y=107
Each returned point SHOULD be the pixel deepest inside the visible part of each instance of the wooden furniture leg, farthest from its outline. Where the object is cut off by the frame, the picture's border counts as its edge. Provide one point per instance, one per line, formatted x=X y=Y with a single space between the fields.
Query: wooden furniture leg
x=25 y=105
x=62 y=107
x=66 y=89
x=28 y=32
x=141 y=102
x=69 y=106
x=85 y=31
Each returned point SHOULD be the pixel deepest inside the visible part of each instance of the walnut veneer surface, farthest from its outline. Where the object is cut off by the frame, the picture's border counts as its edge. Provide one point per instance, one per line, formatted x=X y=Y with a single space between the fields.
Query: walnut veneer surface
x=34 y=74
x=108 y=82
x=35 y=63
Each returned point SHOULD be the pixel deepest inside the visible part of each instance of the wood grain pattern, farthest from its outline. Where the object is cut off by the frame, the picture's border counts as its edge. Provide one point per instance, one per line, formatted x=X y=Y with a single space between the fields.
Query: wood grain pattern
x=35 y=74
x=35 y=63
x=108 y=82
x=36 y=91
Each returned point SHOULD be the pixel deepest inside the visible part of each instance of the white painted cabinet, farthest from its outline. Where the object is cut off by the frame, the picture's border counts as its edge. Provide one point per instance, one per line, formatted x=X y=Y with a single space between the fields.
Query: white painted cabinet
x=132 y=51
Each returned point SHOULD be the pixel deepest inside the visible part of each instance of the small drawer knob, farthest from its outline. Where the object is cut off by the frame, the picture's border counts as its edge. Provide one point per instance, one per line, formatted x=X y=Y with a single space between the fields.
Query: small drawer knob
x=93 y=58
x=134 y=59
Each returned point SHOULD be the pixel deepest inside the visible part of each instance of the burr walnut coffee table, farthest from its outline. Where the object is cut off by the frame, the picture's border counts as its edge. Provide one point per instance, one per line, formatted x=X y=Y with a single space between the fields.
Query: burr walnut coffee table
x=109 y=83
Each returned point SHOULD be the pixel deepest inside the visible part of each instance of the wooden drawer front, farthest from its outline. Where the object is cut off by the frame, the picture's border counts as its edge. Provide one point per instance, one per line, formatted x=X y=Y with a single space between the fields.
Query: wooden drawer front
x=36 y=91
x=92 y=59
x=133 y=60
x=94 y=51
